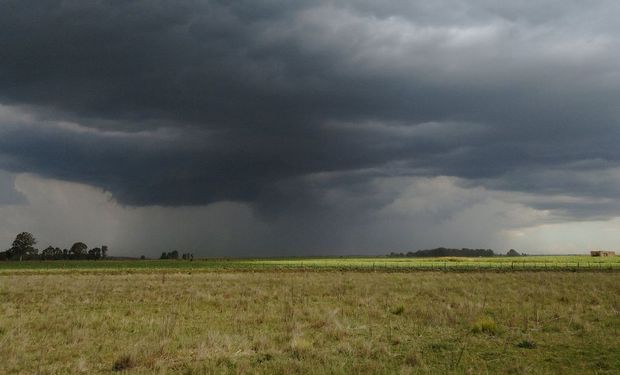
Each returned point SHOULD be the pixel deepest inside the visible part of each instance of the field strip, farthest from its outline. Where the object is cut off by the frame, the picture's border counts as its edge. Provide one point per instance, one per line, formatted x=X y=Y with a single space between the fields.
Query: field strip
x=306 y=265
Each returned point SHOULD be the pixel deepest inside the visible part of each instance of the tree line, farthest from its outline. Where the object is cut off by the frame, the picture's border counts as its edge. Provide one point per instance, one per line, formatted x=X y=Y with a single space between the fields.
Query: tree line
x=175 y=255
x=447 y=252
x=23 y=248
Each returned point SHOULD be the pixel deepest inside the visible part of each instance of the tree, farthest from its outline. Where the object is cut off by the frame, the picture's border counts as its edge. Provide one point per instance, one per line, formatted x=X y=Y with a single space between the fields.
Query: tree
x=164 y=255
x=57 y=253
x=94 y=253
x=48 y=253
x=513 y=253
x=78 y=249
x=23 y=245
x=104 y=251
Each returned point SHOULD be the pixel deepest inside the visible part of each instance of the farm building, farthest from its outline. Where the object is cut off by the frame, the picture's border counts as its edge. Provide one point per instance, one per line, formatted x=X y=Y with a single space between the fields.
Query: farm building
x=602 y=253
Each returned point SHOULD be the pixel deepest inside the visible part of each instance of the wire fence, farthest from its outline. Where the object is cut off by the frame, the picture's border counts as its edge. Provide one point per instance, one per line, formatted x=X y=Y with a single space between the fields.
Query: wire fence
x=444 y=266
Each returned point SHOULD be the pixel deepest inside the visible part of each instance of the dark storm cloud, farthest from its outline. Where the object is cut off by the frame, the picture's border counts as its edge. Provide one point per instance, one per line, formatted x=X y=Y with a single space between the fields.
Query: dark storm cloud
x=193 y=102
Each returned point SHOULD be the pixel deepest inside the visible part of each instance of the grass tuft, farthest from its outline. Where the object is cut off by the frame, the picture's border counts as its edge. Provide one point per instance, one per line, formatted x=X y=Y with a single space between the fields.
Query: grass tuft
x=398 y=310
x=485 y=325
x=527 y=344
x=122 y=363
x=412 y=359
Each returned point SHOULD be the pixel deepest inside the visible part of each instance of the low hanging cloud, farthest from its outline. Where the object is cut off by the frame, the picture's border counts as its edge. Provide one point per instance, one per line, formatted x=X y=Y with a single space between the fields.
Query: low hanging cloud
x=299 y=111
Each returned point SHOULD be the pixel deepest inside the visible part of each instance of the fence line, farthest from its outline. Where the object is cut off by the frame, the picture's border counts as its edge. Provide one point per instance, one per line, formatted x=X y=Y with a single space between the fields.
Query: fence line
x=445 y=266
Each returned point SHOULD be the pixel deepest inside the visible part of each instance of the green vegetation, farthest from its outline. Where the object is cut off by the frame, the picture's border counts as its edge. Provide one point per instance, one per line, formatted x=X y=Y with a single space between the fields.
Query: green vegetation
x=447 y=252
x=274 y=322
x=521 y=263
x=23 y=248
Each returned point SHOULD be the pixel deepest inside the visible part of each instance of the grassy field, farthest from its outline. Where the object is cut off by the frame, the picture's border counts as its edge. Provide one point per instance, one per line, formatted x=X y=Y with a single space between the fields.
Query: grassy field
x=527 y=263
x=298 y=321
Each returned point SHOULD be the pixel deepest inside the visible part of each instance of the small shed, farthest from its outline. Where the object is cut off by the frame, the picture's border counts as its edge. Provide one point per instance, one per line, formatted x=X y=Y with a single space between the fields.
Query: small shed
x=602 y=253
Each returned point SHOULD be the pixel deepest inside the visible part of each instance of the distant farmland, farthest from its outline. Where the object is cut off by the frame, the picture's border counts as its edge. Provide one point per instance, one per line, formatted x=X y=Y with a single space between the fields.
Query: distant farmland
x=378 y=264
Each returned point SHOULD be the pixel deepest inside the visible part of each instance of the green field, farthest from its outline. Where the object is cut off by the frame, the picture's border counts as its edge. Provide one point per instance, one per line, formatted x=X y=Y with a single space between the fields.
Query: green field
x=526 y=315
x=526 y=263
x=299 y=321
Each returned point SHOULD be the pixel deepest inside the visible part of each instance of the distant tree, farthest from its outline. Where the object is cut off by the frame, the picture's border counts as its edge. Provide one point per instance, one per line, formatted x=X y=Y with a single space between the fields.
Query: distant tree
x=447 y=252
x=172 y=255
x=48 y=253
x=142 y=257
x=23 y=245
x=104 y=251
x=78 y=249
x=94 y=253
x=513 y=253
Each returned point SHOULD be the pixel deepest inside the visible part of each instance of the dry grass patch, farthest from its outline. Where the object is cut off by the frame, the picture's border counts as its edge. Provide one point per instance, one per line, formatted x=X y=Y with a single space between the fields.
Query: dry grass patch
x=305 y=322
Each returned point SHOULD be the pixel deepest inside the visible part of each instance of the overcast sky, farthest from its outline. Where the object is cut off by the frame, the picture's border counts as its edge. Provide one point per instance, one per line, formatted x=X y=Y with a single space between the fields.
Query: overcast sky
x=253 y=128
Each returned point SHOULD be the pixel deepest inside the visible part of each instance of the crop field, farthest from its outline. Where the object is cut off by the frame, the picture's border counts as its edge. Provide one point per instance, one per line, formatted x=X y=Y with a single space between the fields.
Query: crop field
x=101 y=317
x=524 y=263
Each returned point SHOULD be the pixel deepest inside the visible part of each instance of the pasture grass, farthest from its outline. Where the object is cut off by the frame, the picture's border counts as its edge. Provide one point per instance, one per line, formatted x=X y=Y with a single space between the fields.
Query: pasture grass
x=525 y=263
x=274 y=322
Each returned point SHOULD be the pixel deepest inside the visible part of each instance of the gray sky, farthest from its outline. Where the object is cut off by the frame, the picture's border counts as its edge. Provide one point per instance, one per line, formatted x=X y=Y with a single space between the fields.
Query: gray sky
x=328 y=127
